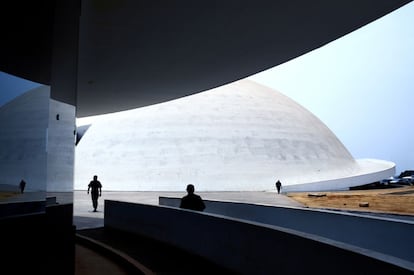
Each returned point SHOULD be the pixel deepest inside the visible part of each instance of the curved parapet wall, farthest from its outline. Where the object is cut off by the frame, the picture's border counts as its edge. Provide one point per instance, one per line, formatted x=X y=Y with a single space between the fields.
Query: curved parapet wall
x=239 y=137
x=350 y=228
x=248 y=247
x=367 y=171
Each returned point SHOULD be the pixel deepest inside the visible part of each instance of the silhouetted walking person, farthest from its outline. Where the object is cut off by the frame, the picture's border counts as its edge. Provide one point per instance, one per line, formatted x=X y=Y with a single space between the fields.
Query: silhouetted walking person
x=278 y=186
x=96 y=191
x=22 y=185
x=192 y=201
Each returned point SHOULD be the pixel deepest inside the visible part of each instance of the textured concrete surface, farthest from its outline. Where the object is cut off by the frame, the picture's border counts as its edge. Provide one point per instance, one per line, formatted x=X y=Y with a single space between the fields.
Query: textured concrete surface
x=91 y=262
x=84 y=217
x=37 y=142
x=242 y=136
x=23 y=142
x=86 y=220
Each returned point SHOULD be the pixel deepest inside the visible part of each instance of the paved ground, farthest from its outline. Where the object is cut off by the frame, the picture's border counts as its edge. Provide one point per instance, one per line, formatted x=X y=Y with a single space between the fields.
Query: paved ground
x=89 y=223
x=88 y=262
x=84 y=217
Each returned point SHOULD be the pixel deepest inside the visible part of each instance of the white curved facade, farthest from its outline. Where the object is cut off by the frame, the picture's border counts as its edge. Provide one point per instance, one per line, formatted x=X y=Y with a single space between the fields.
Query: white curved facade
x=238 y=137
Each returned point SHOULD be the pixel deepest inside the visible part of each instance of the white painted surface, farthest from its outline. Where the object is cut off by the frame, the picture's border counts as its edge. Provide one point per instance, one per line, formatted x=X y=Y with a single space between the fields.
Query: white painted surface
x=34 y=145
x=260 y=247
x=238 y=137
x=350 y=228
x=23 y=124
x=61 y=147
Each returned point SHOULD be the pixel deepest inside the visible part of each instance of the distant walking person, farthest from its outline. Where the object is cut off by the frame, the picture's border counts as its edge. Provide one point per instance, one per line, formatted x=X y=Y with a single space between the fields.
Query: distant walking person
x=278 y=186
x=22 y=185
x=192 y=201
x=96 y=191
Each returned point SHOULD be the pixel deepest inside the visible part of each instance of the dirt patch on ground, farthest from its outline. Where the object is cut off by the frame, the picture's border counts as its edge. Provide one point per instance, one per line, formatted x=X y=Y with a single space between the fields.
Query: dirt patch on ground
x=394 y=200
x=6 y=195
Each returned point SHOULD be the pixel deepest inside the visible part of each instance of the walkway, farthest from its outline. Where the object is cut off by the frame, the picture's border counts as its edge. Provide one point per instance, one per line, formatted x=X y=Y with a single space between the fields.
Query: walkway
x=90 y=262
x=158 y=257
x=84 y=217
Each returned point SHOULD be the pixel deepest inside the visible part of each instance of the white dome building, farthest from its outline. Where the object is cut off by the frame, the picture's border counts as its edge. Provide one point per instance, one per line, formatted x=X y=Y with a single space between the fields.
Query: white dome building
x=237 y=137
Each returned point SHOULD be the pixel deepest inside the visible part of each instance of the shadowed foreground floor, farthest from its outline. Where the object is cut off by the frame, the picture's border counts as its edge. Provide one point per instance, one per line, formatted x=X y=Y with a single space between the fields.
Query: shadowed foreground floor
x=156 y=257
x=90 y=262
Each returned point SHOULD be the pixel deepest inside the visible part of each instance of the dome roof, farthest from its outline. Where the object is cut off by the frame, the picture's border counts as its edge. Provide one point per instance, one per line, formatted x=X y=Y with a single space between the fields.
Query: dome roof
x=241 y=136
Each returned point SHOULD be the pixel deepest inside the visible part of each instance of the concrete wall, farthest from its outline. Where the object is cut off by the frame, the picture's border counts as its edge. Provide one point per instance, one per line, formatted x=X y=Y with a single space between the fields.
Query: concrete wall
x=61 y=147
x=243 y=246
x=238 y=137
x=23 y=138
x=37 y=142
x=41 y=241
x=368 y=171
x=383 y=235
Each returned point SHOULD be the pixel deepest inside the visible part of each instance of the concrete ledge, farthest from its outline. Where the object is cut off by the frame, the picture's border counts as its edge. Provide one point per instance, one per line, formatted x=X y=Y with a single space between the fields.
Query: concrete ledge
x=244 y=246
x=386 y=236
x=21 y=208
x=133 y=266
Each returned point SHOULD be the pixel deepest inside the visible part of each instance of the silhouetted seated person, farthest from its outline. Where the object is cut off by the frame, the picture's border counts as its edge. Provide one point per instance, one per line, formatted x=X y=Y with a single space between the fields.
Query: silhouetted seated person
x=192 y=201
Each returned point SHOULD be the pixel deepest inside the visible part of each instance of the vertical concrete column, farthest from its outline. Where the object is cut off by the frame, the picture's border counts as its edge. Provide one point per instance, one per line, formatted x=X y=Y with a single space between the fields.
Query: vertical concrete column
x=62 y=112
x=62 y=136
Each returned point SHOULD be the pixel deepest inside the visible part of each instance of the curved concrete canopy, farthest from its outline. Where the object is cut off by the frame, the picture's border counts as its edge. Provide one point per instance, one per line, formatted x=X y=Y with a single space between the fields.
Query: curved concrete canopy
x=136 y=53
x=242 y=136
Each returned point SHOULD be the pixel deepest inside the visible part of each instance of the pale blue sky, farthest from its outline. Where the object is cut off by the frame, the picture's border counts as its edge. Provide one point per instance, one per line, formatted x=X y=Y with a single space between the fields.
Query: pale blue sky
x=12 y=86
x=361 y=86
